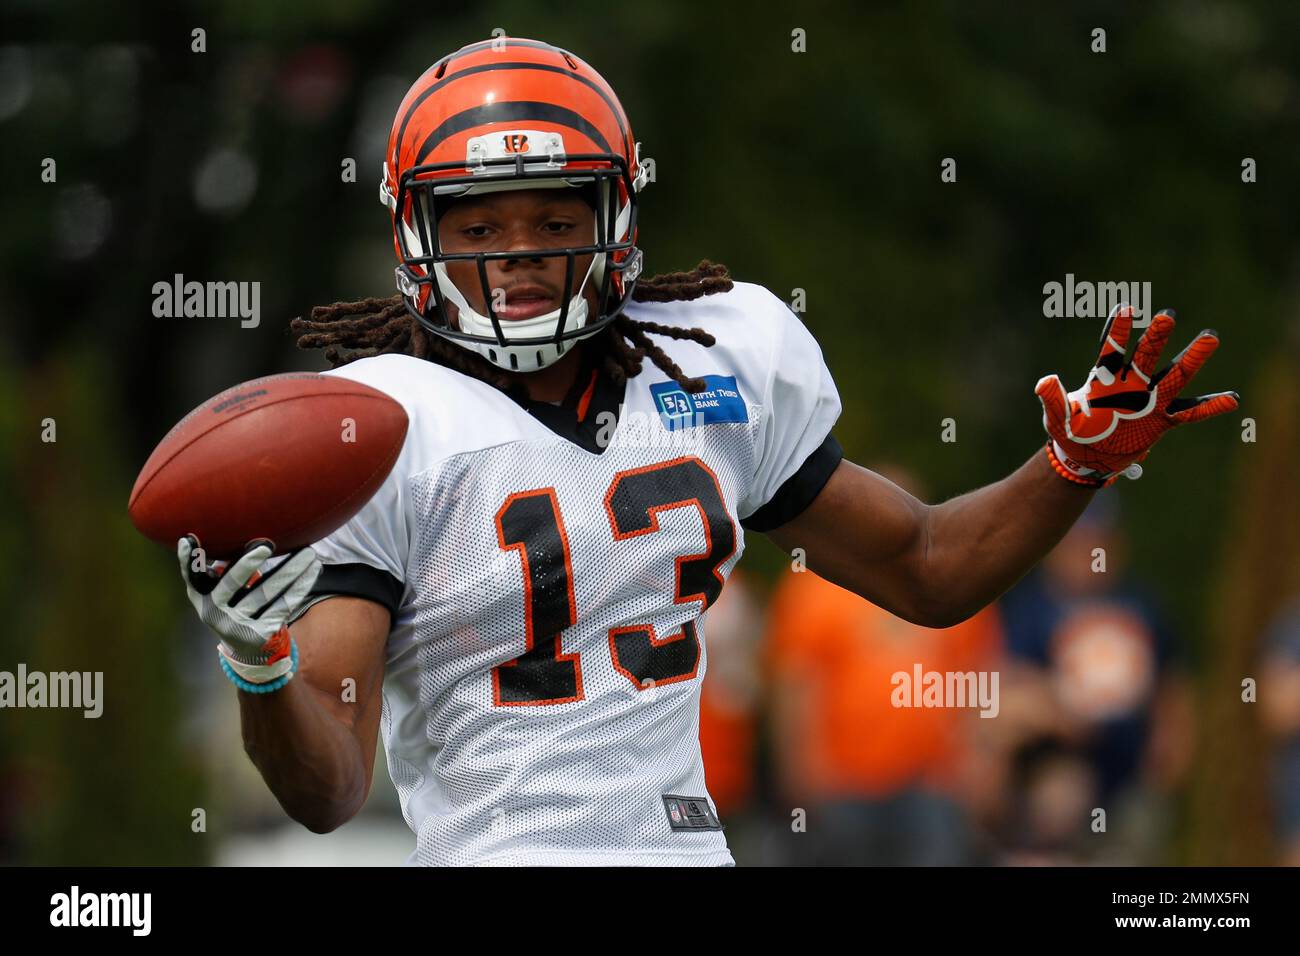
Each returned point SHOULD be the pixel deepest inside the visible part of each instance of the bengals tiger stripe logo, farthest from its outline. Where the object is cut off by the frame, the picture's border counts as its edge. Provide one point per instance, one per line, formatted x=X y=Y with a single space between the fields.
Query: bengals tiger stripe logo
x=515 y=142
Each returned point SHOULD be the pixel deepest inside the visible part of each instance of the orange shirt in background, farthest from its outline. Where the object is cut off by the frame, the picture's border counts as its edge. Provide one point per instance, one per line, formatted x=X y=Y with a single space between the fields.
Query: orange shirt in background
x=830 y=657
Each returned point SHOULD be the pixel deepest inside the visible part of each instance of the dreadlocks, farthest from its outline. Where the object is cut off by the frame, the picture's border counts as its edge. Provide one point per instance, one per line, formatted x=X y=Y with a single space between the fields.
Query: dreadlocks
x=379 y=326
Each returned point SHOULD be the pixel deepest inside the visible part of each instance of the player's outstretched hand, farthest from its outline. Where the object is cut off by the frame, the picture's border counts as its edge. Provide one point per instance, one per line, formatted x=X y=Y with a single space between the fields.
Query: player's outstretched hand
x=248 y=610
x=1105 y=427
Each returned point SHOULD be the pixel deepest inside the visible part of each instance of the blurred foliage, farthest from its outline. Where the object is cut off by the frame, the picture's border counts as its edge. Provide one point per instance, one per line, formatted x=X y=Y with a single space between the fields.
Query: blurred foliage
x=816 y=171
x=118 y=788
x=1261 y=565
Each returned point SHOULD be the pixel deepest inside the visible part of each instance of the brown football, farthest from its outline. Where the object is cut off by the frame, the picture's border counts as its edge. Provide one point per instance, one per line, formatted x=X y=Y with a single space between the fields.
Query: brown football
x=287 y=457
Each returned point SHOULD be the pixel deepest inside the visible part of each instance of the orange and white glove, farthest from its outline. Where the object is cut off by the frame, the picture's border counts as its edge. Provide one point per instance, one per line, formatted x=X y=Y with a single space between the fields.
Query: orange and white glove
x=1106 y=427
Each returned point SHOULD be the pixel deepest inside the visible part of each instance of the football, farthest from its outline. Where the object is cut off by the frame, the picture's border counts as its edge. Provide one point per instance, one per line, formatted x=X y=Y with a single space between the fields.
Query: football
x=289 y=458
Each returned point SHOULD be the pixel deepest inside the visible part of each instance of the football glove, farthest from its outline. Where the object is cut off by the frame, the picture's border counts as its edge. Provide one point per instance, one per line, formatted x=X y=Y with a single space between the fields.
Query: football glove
x=1107 y=426
x=249 y=611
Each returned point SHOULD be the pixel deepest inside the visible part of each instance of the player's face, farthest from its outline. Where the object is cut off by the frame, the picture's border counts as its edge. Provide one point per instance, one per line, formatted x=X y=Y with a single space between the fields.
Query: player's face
x=518 y=219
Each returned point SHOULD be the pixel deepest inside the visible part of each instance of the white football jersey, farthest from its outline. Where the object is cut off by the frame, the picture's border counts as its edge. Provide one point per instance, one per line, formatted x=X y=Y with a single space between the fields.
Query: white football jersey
x=549 y=568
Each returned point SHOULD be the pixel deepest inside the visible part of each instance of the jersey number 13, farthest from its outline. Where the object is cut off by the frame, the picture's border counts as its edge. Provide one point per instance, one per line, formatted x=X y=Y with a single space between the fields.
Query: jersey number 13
x=529 y=523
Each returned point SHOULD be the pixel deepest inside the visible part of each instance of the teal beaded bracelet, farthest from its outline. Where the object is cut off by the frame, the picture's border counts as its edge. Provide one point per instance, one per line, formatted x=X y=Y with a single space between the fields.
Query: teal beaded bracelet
x=267 y=688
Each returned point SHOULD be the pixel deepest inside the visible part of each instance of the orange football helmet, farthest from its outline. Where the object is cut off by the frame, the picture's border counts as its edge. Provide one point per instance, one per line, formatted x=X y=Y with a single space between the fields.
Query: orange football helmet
x=512 y=114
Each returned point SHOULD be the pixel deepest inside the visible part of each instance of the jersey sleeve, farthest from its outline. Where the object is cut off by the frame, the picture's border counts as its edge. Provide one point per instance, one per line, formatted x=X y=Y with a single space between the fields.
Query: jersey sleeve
x=367 y=556
x=796 y=452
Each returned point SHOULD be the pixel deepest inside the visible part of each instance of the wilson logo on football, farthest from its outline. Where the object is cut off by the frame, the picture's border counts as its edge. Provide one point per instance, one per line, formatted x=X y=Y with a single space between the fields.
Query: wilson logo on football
x=515 y=142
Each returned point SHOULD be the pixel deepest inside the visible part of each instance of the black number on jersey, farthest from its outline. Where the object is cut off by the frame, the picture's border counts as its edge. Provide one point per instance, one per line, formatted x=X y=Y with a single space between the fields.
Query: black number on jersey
x=530 y=522
x=633 y=503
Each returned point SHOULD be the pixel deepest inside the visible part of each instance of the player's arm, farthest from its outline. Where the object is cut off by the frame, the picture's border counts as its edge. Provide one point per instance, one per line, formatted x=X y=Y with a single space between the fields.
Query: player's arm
x=933 y=565
x=937 y=565
x=313 y=744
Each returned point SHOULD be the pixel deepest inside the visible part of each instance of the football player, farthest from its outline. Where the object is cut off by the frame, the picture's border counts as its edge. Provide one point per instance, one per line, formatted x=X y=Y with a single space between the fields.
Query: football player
x=520 y=609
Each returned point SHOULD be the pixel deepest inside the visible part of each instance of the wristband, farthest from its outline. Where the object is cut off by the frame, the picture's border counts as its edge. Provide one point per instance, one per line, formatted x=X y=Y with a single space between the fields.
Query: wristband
x=1064 y=467
x=249 y=687
x=1070 y=476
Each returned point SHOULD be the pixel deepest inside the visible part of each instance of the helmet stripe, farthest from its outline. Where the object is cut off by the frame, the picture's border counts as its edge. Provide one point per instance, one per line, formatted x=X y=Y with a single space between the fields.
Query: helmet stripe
x=471 y=70
x=503 y=112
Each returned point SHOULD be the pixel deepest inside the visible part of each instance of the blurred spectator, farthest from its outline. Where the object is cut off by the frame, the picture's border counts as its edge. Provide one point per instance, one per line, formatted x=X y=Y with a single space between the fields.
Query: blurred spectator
x=879 y=783
x=1096 y=708
x=1051 y=788
x=1279 y=698
x=729 y=696
x=729 y=717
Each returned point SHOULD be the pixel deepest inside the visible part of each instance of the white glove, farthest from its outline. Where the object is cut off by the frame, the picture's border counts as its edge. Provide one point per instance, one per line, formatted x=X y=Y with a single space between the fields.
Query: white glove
x=247 y=610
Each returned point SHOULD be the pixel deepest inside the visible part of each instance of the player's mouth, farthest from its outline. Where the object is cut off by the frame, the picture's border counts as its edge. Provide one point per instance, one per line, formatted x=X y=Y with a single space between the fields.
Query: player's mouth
x=526 y=302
